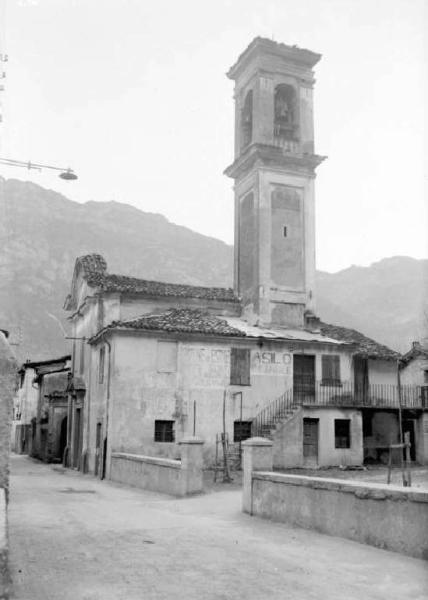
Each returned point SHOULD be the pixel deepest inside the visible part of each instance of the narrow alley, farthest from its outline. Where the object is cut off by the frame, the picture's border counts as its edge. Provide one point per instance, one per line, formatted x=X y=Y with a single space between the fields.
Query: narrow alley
x=75 y=538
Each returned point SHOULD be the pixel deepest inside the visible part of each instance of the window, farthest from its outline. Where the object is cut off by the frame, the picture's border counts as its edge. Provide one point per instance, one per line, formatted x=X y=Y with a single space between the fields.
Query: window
x=164 y=431
x=241 y=430
x=342 y=433
x=247 y=119
x=101 y=365
x=240 y=366
x=426 y=376
x=82 y=357
x=167 y=357
x=284 y=231
x=330 y=369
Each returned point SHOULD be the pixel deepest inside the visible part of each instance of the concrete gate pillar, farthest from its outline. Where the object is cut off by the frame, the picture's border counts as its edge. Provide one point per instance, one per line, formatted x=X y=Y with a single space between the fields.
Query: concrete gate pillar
x=257 y=456
x=191 y=465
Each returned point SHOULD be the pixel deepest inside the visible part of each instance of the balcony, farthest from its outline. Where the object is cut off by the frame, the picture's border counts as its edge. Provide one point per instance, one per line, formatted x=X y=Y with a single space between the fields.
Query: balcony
x=374 y=396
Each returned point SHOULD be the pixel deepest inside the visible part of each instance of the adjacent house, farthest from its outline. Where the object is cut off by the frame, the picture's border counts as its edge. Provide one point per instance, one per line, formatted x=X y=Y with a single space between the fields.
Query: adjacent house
x=41 y=408
x=153 y=362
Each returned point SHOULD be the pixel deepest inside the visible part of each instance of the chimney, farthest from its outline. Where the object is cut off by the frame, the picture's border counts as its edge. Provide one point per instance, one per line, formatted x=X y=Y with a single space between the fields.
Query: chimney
x=312 y=322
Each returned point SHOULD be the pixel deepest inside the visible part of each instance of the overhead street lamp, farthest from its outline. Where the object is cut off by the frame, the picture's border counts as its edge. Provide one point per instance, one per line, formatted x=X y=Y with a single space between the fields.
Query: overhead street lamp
x=67 y=174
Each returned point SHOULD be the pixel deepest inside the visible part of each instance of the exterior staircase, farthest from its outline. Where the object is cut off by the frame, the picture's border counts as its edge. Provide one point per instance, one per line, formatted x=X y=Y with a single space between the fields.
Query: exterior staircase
x=277 y=412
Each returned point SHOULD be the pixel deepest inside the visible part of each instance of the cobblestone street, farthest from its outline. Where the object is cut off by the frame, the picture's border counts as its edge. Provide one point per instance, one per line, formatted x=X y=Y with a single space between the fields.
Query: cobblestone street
x=75 y=538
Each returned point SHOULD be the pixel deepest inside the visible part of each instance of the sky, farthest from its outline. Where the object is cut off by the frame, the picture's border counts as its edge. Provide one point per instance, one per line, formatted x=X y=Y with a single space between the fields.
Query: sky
x=132 y=95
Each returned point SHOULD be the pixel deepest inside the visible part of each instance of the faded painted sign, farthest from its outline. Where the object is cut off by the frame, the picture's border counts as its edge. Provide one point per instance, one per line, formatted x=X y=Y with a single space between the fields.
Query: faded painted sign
x=267 y=362
x=201 y=366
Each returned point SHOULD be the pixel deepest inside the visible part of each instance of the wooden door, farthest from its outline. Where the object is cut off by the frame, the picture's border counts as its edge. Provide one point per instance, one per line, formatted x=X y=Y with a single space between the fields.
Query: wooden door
x=303 y=378
x=310 y=440
x=361 y=380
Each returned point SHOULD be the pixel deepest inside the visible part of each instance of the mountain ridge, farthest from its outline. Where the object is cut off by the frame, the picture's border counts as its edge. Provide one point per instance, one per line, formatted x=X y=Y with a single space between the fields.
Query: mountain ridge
x=42 y=232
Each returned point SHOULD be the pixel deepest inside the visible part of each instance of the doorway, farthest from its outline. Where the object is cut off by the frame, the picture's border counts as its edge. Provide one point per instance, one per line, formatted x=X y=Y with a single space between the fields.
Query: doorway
x=310 y=441
x=62 y=438
x=303 y=378
x=77 y=437
x=97 y=469
x=409 y=427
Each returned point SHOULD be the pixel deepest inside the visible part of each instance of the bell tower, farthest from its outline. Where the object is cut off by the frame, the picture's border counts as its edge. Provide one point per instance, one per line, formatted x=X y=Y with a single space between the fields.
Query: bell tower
x=274 y=171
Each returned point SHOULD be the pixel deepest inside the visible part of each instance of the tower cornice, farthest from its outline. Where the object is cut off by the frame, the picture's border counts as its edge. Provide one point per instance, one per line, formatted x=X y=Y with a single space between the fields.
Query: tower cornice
x=305 y=59
x=266 y=155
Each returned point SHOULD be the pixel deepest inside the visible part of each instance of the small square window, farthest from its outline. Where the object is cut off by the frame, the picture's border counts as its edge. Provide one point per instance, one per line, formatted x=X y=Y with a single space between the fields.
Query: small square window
x=342 y=433
x=241 y=430
x=164 y=431
x=284 y=231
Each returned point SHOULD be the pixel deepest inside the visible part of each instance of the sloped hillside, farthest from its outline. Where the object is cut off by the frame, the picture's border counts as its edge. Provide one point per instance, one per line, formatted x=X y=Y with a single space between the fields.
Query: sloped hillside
x=42 y=232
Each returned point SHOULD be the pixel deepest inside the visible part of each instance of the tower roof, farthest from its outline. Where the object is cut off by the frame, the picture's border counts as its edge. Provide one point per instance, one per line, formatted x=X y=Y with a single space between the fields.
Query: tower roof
x=260 y=45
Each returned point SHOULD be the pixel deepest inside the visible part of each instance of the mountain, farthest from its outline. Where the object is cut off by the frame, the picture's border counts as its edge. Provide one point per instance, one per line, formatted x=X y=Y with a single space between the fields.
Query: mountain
x=42 y=232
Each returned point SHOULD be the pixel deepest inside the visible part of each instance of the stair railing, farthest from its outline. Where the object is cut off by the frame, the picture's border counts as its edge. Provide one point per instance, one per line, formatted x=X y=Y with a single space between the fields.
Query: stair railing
x=272 y=414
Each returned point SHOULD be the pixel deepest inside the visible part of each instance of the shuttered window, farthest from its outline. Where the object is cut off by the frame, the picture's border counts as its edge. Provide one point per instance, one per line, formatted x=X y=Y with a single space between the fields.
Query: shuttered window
x=330 y=369
x=240 y=366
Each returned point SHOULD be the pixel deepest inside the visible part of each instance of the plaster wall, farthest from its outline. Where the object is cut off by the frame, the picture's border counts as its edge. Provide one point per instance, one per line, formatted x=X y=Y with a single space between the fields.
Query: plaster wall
x=414 y=372
x=190 y=393
x=382 y=372
x=288 y=439
x=7 y=390
x=385 y=516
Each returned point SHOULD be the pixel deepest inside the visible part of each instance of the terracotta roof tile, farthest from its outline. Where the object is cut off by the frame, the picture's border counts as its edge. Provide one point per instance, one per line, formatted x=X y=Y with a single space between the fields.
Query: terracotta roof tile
x=180 y=320
x=95 y=270
x=365 y=347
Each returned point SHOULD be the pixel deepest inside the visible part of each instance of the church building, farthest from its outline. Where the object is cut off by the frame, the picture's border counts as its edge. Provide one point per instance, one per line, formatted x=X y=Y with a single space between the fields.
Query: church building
x=155 y=362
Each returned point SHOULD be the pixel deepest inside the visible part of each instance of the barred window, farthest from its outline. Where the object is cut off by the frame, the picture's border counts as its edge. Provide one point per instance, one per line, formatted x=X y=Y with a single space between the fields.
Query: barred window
x=164 y=431
x=241 y=430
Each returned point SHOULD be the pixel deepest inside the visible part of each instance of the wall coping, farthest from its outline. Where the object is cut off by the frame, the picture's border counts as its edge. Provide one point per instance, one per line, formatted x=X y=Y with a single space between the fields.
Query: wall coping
x=257 y=441
x=151 y=460
x=361 y=489
x=191 y=441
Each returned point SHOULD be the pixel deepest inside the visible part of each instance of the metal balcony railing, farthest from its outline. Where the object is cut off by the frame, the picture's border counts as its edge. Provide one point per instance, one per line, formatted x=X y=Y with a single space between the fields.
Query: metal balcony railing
x=338 y=395
x=376 y=395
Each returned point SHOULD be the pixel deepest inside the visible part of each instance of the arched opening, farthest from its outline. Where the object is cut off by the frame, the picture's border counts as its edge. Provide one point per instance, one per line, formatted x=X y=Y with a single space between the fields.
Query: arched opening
x=247 y=119
x=285 y=111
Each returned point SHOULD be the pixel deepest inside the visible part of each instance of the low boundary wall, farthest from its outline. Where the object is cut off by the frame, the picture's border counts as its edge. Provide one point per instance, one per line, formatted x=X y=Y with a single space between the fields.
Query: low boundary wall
x=174 y=477
x=381 y=515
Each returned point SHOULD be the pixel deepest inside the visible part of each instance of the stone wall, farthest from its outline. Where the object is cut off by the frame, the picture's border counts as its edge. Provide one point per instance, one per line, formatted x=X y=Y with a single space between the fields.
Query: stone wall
x=381 y=515
x=175 y=477
x=7 y=389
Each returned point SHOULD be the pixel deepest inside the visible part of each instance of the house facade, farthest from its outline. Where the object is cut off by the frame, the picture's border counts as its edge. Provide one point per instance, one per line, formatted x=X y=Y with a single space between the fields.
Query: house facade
x=154 y=362
x=41 y=408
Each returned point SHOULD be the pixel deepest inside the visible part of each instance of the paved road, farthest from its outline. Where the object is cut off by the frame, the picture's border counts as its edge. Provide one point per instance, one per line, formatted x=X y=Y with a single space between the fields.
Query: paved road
x=75 y=538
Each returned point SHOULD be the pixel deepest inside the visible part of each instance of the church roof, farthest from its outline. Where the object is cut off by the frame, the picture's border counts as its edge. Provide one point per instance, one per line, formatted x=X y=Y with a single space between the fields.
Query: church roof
x=123 y=283
x=95 y=273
